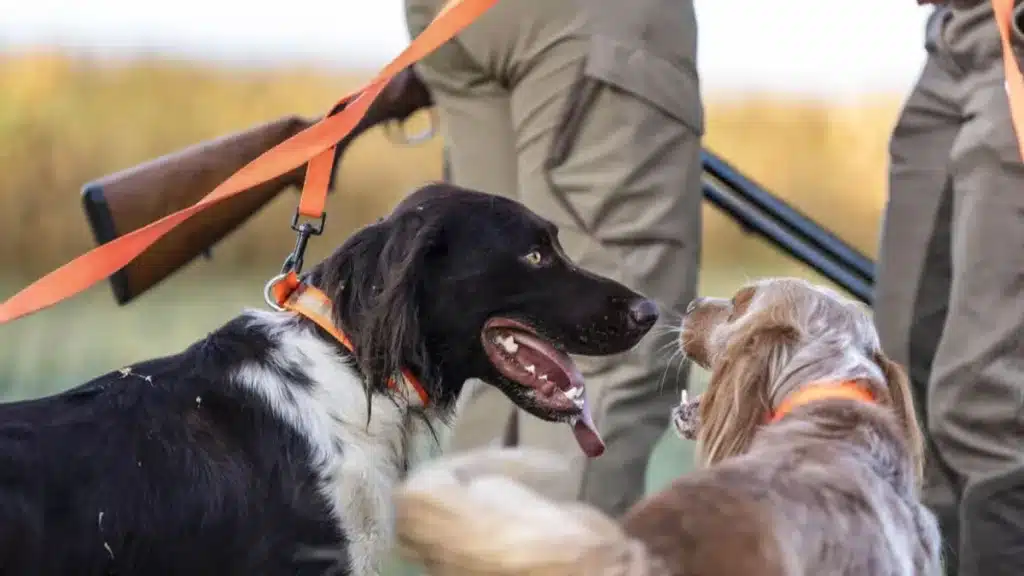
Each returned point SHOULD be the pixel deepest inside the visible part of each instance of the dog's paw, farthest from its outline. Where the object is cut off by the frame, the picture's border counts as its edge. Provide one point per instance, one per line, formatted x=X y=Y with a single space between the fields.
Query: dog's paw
x=686 y=417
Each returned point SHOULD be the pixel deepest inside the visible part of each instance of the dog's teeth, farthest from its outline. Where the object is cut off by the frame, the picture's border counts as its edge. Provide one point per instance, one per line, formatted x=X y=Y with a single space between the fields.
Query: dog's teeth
x=531 y=368
x=684 y=398
x=543 y=377
x=508 y=343
x=575 y=395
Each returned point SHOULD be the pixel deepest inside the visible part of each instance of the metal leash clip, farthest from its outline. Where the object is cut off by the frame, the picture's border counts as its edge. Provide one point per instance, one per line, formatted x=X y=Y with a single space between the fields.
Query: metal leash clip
x=294 y=261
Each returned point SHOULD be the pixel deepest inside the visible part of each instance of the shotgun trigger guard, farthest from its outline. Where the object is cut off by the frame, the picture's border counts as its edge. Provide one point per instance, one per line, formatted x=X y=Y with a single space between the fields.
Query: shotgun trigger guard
x=395 y=131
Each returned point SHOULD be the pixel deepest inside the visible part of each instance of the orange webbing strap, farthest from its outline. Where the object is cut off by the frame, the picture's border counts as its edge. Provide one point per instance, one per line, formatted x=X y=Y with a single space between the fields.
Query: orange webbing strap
x=318 y=180
x=291 y=294
x=313 y=145
x=318 y=172
x=1003 y=10
x=822 y=391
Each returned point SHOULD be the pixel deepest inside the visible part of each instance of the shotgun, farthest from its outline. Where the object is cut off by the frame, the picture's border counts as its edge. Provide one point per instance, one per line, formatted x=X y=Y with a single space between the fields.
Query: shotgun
x=125 y=201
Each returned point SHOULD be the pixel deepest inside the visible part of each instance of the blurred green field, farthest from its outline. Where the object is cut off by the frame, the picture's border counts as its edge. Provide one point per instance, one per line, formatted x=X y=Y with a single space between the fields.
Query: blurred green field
x=65 y=121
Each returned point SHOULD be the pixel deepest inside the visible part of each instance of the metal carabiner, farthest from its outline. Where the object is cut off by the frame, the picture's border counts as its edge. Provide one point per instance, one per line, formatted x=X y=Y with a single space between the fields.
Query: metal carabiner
x=302 y=233
x=293 y=263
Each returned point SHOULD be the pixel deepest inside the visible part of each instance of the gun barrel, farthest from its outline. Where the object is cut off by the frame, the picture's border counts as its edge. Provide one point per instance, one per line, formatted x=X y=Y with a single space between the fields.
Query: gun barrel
x=798 y=224
x=760 y=211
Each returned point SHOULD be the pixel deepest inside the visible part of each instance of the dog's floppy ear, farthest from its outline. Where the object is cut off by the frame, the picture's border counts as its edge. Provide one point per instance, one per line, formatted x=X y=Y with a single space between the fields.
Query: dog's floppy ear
x=390 y=337
x=903 y=402
x=738 y=399
x=375 y=280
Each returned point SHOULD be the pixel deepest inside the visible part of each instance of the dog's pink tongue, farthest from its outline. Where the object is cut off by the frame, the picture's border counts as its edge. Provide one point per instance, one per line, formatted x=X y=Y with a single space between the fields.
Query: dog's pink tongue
x=586 y=433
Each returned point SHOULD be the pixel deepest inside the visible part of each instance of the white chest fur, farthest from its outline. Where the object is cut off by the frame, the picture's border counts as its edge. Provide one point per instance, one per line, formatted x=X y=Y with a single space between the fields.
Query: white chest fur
x=359 y=461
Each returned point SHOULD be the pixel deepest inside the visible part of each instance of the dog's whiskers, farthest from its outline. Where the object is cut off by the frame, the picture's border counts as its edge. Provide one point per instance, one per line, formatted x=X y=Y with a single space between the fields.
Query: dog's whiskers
x=672 y=336
x=683 y=363
x=668 y=346
x=669 y=311
x=677 y=355
x=667 y=354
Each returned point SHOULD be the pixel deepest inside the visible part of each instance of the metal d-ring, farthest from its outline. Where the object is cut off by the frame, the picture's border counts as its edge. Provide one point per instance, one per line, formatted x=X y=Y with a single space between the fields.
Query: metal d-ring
x=402 y=139
x=268 y=292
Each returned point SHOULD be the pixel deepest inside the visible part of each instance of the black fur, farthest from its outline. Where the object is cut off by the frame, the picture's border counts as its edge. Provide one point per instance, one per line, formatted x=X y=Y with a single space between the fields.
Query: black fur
x=173 y=468
x=416 y=288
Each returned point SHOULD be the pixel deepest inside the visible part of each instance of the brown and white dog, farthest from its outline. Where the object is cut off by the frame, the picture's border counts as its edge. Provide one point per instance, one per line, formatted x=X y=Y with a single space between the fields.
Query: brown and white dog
x=810 y=452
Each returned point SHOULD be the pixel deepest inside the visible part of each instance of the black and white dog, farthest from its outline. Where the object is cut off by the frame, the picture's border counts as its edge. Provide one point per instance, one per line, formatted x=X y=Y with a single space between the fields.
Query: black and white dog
x=269 y=447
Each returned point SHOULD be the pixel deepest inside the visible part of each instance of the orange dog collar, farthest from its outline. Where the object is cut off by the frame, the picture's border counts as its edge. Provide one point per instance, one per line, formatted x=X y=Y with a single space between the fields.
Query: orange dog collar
x=293 y=295
x=822 y=391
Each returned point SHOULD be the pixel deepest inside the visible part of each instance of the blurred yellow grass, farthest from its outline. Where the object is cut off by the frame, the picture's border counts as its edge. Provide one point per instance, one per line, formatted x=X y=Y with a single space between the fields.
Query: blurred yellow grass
x=65 y=121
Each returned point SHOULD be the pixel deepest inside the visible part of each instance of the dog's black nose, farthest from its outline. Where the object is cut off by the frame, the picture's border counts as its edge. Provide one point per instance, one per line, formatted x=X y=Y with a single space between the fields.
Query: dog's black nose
x=643 y=313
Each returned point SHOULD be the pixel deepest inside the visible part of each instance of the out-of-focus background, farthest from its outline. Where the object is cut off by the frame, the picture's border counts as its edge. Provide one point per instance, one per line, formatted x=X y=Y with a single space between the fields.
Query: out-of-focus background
x=800 y=94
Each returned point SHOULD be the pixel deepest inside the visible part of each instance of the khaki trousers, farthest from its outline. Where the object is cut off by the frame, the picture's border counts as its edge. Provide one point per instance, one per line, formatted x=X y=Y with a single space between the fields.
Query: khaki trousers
x=589 y=113
x=950 y=294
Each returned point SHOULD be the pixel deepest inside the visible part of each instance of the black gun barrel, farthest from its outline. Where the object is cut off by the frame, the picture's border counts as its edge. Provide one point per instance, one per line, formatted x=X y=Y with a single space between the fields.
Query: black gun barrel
x=752 y=218
x=785 y=215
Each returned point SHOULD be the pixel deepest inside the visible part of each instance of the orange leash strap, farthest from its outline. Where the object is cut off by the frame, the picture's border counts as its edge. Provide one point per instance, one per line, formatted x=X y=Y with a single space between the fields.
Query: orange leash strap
x=314 y=146
x=1003 y=10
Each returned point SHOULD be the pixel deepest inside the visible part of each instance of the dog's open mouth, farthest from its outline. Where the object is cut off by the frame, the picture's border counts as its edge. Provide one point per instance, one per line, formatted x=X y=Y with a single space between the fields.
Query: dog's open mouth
x=549 y=373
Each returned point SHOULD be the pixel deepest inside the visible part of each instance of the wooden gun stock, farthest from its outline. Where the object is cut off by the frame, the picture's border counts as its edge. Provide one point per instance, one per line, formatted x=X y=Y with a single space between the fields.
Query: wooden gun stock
x=130 y=199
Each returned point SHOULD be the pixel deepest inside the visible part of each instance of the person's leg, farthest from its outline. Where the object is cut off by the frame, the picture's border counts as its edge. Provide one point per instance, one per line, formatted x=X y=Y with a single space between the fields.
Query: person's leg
x=480 y=147
x=976 y=395
x=607 y=141
x=912 y=291
x=976 y=400
x=473 y=108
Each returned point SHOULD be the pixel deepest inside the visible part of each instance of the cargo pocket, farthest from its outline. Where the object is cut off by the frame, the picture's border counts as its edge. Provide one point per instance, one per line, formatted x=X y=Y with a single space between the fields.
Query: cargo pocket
x=671 y=88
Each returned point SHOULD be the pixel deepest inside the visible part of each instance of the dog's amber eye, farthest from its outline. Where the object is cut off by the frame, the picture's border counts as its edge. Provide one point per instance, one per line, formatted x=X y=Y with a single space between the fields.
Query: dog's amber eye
x=534 y=258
